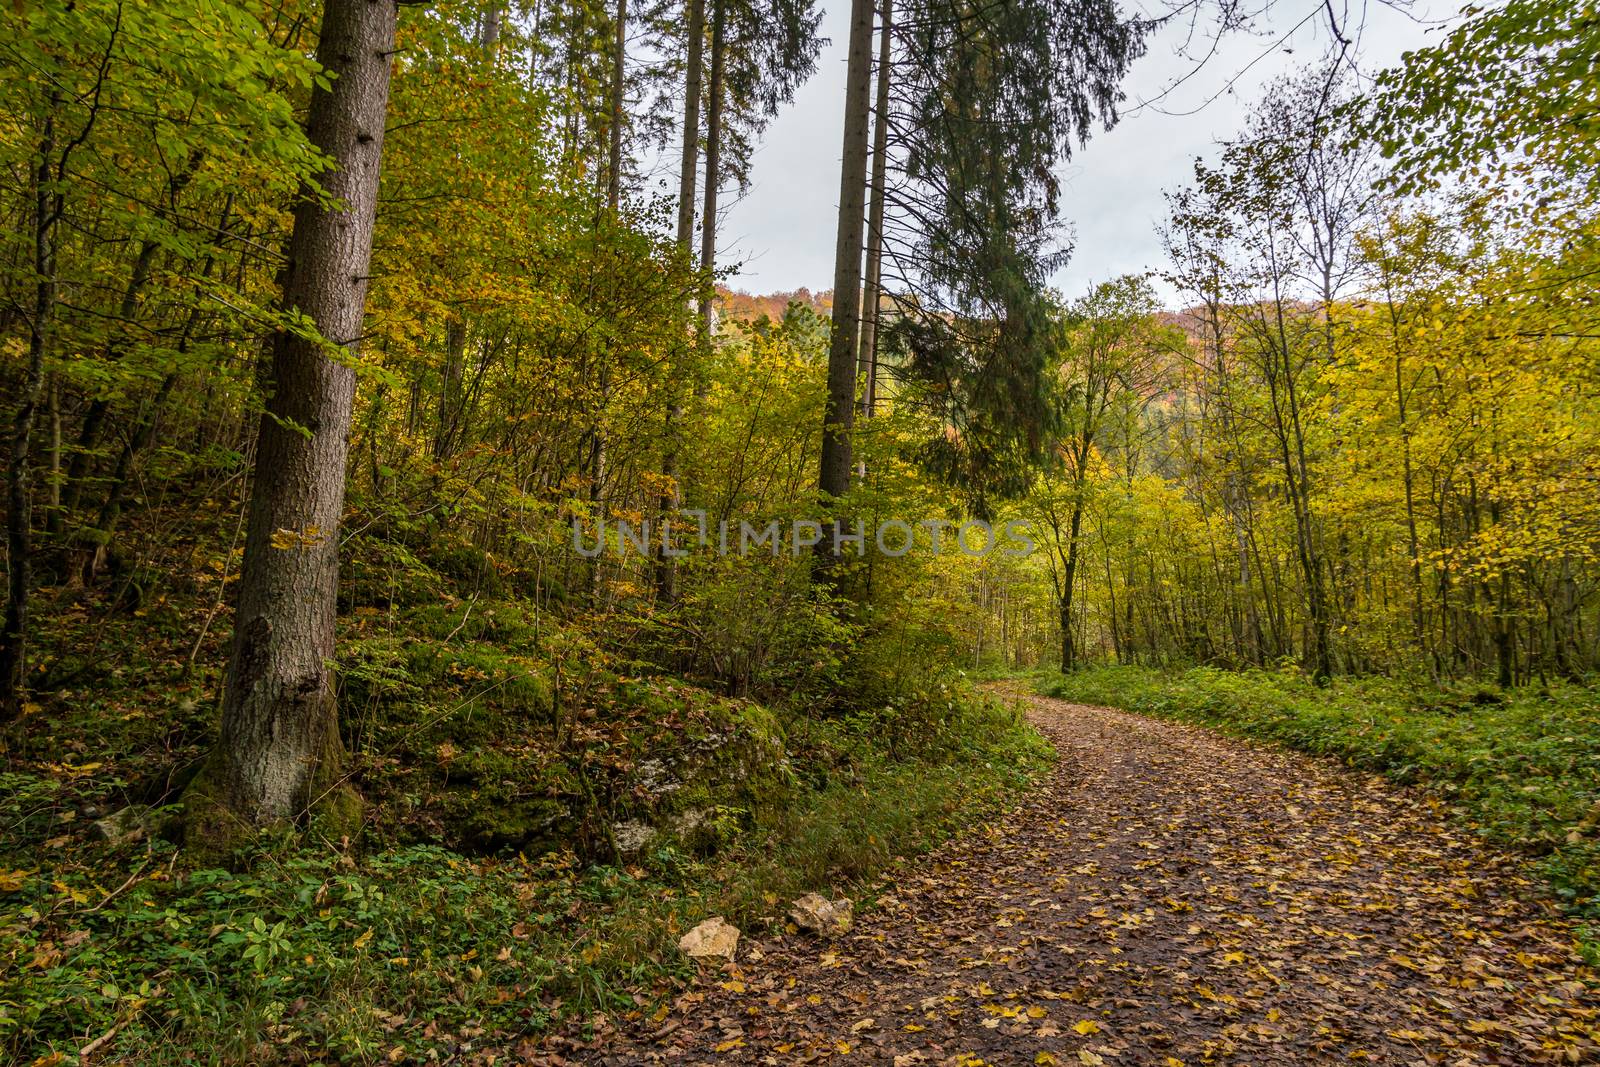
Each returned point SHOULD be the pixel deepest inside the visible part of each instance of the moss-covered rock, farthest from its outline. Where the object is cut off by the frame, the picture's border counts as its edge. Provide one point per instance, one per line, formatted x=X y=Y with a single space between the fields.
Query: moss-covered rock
x=711 y=780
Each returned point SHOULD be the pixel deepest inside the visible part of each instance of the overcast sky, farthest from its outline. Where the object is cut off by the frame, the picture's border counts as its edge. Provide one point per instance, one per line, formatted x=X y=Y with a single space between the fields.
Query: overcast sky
x=783 y=230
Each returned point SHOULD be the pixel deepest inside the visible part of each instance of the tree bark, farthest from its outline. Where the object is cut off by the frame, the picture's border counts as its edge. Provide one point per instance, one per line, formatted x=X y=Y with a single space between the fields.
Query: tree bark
x=597 y=431
x=1064 y=617
x=450 y=391
x=872 y=295
x=280 y=752
x=690 y=152
x=666 y=569
x=619 y=86
x=19 y=488
x=833 y=478
x=489 y=26
x=708 y=210
x=1069 y=580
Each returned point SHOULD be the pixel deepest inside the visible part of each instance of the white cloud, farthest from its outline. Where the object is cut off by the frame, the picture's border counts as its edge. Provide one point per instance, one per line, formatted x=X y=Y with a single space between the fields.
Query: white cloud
x=783 y=231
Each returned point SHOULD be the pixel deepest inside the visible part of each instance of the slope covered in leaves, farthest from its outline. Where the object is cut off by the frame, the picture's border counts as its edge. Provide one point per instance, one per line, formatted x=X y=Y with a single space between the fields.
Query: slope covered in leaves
x=505 y=753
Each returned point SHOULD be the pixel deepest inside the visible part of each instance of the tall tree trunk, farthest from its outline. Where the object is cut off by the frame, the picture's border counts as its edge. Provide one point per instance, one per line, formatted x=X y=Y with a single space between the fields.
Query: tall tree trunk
x=872 y=295
x=666 y=569
x=83 y=459
x=452 y=396
x=1069 y=578
x=1413 y=540
x=489 y=26
x=1235 y=495
x=689 y=153
x=53 y=399
x=619 y=86
x=450 y=388
x=1297 y=478
x=1064 y=617
x=708 y=210
x=148 y=420
x=111 y=508
x=613 y=174
x=47 y=205
x=280 y=753
x=833 y=477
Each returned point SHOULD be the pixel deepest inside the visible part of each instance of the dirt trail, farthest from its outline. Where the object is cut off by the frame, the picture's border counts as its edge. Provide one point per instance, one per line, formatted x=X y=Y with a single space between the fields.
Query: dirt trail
x=1168 y=896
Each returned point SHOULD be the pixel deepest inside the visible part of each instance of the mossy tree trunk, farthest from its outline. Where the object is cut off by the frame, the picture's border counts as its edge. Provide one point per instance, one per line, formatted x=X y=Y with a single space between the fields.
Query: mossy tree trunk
x=280 y=754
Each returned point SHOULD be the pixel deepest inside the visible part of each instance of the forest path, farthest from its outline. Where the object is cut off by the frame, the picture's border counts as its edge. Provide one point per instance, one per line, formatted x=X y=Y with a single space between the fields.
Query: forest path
x=1169 y=895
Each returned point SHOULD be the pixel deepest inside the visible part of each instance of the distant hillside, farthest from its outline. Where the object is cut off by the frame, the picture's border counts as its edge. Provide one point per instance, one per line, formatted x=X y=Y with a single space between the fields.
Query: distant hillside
x=740 y=306
x=751 y=307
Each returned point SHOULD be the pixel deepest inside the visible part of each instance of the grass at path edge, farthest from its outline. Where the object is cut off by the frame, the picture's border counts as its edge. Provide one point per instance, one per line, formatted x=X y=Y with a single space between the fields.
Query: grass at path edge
x=1522 y=767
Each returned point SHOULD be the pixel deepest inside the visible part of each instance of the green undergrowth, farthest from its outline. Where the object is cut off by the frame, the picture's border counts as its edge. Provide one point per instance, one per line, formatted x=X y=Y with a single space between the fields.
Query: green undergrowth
x=342 y=955
x=1522 y=766
x=546 y=813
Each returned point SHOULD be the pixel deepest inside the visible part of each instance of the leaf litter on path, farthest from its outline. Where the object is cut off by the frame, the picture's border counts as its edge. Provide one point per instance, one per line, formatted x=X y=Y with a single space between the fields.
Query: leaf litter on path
x=1168 y=896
